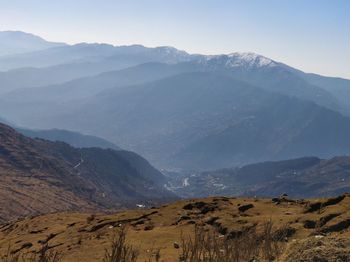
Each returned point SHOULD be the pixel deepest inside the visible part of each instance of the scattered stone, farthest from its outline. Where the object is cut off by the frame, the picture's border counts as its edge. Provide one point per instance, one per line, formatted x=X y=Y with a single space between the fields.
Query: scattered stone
x=149 y=227
x=90 y=218
x=70 y=225
x=324 y=220
x=245 y=207
x=202 y=206
x=185 y=217
x=35 y=231
x=210 y=220
x=319 y=236
x=284 y=233
x=340 y=226
x=197 y=205
x=139 y=222
x=24 y=246
x=275 y=200
x=310 y=224
x=319 y=205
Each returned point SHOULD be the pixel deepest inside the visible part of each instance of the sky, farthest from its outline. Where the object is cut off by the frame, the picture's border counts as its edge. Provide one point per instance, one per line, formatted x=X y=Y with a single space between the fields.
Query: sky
x=311 y=35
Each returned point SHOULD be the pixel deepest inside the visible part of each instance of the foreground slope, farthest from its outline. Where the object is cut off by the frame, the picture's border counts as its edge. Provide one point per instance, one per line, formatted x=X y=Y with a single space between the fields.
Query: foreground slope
x=310 y=228
x=38 y=176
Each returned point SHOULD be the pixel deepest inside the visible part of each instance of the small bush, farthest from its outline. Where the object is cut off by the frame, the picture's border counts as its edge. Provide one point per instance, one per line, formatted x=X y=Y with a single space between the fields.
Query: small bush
x=90 y=218
x=208 y=246
x=43 y=255
x=119 y=250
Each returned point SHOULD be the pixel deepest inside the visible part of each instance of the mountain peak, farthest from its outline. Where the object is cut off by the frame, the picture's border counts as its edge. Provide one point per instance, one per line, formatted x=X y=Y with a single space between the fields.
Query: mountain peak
x=16 y=42
x=19 y=34
x=245 y=60
x=249 y=59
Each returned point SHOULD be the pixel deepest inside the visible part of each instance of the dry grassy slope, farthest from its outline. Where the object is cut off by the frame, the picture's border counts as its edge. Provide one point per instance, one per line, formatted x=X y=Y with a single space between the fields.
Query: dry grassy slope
x=39 y=177
x=81 y=239
x=31 y=182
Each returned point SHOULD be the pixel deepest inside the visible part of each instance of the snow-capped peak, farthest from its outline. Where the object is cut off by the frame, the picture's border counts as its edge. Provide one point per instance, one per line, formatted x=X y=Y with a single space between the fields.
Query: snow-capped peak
x=237 y=60
x=249 y=60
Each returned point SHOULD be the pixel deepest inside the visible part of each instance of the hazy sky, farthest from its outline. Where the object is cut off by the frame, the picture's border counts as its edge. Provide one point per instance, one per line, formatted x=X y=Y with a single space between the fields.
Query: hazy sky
x=312 y=35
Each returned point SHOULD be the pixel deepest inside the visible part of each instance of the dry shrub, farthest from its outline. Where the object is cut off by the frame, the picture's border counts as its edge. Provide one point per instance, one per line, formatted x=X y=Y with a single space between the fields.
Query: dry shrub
x=154 y=255
x=209 y=246
x=46 y=255
x=90 y=218
x=43 y=255
x=119 y=250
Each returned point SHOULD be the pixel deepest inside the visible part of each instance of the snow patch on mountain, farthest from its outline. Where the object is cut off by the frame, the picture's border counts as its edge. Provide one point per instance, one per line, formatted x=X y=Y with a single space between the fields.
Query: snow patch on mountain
x=249 y=60
x=236 y=60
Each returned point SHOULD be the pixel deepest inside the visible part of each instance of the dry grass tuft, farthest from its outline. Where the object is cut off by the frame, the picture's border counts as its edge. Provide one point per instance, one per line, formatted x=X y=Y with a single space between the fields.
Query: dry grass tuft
x=119 y=250
x=43 y=255
x=208 y=246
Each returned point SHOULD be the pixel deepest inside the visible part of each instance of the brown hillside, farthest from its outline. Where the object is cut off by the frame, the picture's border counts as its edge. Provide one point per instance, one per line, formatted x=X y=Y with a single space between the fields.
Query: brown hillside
x=312 y=229
x=40 y=177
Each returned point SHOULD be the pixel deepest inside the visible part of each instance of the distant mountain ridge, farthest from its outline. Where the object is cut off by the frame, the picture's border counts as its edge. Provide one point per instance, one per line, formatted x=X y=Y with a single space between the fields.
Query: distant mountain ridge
x=17 y=42
x=81 y=60
x=93 y=53
x=180 y=110
x=207 y=120
x=74 y=139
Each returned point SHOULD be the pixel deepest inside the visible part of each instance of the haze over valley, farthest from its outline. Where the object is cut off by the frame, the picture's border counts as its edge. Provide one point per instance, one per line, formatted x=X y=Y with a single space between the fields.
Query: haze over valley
x=180 y=111
x=129 y=152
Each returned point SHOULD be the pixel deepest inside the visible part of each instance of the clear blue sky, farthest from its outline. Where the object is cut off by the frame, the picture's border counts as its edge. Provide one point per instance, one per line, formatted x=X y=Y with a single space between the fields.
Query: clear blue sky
x=312 y=35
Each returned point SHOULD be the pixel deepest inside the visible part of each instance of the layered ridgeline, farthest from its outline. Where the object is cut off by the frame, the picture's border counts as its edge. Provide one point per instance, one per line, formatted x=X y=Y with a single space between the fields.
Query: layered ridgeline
x=192 y=120
x=67 y=62
x=180 y=110
x=302 y=177
x=74 y=139
x=16 y=42
x=38 y=176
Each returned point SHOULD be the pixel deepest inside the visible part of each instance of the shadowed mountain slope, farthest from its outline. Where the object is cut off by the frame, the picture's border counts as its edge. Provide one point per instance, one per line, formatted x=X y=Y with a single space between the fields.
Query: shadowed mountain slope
x=205 y=121
x=188 y=111
x=38 y=176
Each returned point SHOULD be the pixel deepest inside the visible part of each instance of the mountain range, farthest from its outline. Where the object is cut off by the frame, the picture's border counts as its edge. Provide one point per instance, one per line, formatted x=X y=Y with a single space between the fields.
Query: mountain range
x=181 y=111
x=135 y=153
